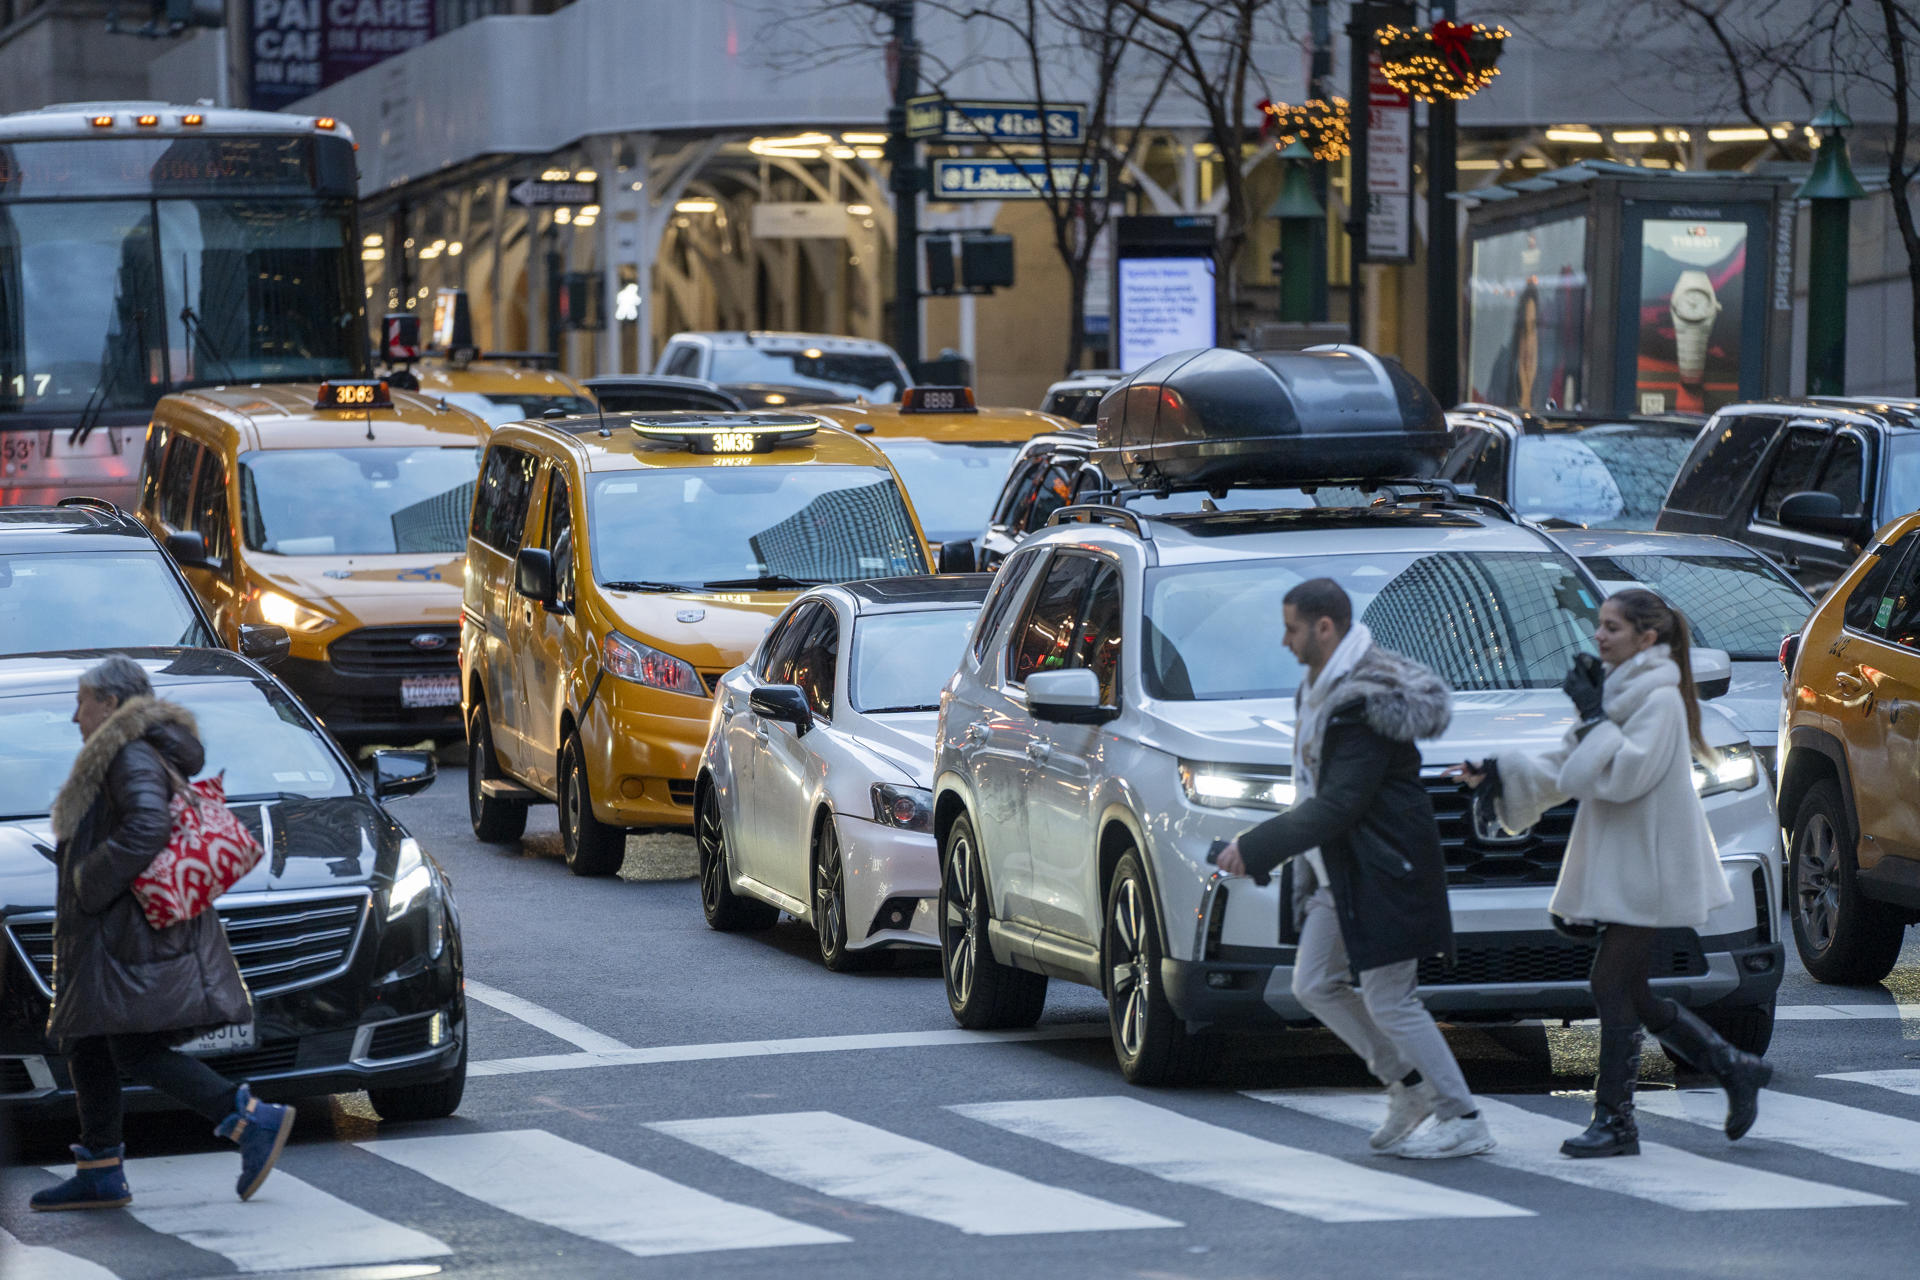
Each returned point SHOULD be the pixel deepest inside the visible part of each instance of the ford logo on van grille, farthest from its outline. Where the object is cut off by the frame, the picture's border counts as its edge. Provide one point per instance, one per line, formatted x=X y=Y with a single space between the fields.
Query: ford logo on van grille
x=428 y=641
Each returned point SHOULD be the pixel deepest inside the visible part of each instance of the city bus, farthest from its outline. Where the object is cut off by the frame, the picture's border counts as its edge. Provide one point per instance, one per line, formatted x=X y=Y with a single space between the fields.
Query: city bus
x=147 y=248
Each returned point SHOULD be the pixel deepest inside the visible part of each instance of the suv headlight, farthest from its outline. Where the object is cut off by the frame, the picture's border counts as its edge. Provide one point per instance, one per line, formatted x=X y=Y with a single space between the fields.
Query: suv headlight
x=637 y=663
x=1736 y=770
x=1225 y=786
x=414 y=884
x=285 y=611
x=907 y=808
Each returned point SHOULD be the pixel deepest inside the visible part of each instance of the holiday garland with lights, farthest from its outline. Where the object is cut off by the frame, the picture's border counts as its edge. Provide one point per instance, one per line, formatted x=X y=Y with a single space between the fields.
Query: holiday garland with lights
x=1449 y=60
x=1319 y=122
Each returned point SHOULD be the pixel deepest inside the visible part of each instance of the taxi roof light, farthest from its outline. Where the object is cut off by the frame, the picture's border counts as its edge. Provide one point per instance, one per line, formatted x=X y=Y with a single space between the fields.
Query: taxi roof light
x=146 y=121
x=937 y=400
x=726 y=433
x=354 y=393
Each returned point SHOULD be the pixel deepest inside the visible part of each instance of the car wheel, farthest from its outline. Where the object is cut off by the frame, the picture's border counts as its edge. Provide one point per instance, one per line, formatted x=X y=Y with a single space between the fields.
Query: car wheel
x=1748 y=1029
x=724 y=909
x=495 y=821
x=830 y=901
x=983 y=993
x=592 y=847
x=434 y=1100
x=1843 y=936
x=1149 y=1038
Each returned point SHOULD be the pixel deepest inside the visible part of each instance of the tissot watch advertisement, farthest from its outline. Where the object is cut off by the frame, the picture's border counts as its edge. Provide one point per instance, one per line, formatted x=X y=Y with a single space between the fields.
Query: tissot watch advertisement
x=1527 y=316
x=1693 y=275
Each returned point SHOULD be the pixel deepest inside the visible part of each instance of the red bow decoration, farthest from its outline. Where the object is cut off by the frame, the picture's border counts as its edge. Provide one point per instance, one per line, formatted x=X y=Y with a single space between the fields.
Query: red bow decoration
x=1451 y=39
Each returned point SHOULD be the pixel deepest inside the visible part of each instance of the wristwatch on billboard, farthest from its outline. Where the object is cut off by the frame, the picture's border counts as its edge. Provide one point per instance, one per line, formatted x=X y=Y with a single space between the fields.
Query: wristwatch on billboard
x=1693 y=306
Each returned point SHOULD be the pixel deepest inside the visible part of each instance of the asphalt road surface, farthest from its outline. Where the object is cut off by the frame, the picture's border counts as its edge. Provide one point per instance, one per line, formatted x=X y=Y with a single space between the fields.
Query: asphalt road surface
x=649 y=1098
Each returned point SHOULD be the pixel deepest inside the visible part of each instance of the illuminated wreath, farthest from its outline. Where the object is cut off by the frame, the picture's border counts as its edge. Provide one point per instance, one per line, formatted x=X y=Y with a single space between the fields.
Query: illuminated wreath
x=1448 y=60
x=1319 y=122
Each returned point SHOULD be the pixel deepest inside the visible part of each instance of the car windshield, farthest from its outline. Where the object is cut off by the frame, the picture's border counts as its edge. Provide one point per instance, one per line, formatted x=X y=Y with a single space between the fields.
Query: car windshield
x=94 y=600
x=901 y=660
x=373 y=501
x=1483 y=620
x=876 y=377
x=252 y=731
x=1738 y=603
x=1075 y=406
x=1903 y=474
x=953 y=486
x=1606 y=477
x=501 y=408
x=755 y=526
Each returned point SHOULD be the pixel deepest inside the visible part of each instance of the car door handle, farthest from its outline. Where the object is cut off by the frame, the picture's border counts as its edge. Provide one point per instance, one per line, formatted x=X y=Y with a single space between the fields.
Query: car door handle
x=1849 y=684
x=1039 y=751
x=760 y=730
x=973 y=734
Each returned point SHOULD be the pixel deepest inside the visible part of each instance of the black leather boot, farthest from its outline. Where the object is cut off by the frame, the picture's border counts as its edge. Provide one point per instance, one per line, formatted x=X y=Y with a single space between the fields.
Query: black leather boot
x=1742 y=1075
x=1613 y=1131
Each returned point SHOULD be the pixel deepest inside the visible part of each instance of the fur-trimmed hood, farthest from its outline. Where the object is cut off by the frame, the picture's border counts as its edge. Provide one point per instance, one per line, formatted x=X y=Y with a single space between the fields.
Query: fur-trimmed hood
x=1405 y=700
x=170 y=729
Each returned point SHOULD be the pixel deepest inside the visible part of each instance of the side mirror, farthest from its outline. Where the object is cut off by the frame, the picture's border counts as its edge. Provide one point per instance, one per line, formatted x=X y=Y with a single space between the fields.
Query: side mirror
x=1816 y=511
x=401 y=773
x=533 y=574
x=783 y=702
x=188 y=549
x=264 y=642
x=1712 y=671
x=958 y=556
x=1067 y=697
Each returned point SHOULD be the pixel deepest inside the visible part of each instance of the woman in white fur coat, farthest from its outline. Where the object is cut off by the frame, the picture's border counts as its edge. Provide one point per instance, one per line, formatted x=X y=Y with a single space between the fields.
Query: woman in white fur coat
x=1641 y=857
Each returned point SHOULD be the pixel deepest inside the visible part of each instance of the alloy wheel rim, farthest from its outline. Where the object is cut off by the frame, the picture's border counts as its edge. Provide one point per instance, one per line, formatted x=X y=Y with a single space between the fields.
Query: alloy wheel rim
x=712 y=853
x=960 y=921
x=573 y=805
x=476 y=769
x=1128 y=976
x=1817 y=882
x=830 y=910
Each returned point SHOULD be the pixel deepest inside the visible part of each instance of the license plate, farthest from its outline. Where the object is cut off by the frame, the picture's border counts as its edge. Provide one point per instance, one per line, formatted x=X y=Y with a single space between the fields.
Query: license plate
x=430 y=691
x=222 y=1040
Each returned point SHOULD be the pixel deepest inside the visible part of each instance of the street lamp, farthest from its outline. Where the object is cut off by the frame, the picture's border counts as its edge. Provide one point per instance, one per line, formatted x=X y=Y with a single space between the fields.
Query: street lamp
x=1300 y=217
x=1831 y=187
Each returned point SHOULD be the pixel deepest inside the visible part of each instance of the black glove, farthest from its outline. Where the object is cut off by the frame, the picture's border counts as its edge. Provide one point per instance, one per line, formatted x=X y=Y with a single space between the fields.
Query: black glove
x=1489 y=771
x=1585 y=678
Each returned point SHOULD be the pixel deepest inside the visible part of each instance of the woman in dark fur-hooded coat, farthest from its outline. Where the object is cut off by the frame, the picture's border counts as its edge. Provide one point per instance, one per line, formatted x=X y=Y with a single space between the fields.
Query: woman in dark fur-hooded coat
x=114 y=974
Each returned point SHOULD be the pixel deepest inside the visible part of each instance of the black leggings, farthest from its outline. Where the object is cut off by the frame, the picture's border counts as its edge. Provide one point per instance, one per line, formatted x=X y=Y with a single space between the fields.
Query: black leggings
x=1619 y=980
x=97 y=1062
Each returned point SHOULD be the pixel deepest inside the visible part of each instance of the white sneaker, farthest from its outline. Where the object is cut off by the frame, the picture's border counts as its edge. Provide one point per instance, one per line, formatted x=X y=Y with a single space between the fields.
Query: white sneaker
x=1447 y=1139
x=1407 y=1107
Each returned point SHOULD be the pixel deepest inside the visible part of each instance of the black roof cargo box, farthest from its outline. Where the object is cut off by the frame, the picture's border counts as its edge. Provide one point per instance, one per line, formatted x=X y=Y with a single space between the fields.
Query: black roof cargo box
x=1212 y=418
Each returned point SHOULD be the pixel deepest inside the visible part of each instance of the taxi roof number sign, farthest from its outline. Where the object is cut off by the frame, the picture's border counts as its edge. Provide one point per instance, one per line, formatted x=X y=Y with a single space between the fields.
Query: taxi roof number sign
x=354 y=393
x=938 y=400
x=1211 y=418
x=723 y=433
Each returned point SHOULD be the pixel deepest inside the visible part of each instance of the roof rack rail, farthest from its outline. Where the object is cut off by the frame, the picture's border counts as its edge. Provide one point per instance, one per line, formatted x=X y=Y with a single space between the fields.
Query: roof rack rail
x=1445 y=493
x=91 y=503
x=1089 y=513
x=1484 y=410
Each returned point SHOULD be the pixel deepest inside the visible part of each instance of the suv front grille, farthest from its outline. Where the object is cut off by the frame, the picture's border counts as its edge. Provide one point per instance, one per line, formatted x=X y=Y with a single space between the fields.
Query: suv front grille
x=280 y=942
x=1530 y=859
x=382 y=651
x=14 y=1076
x=1550 y=958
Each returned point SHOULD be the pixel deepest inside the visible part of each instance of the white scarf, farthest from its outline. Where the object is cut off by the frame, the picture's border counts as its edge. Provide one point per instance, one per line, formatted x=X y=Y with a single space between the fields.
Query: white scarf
x=1309 y=701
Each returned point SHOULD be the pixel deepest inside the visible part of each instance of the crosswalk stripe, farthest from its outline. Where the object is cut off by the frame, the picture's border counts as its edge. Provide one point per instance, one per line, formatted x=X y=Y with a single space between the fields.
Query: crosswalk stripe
x=1829 y=1128
x=1530 y=1142
x=1904 y=1080
x=1178 y=1148
x=289 y=1224
x=38 y=1262
x=543 y=1177
x=840 y=1157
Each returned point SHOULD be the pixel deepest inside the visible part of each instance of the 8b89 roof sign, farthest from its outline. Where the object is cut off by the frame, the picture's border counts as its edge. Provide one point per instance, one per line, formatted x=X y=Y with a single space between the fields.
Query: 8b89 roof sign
x=1211 y=418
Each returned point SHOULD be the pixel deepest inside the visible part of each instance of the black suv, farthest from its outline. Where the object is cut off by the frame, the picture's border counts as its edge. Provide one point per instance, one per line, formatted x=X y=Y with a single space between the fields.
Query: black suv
x=1602 y=472
x=86 y=575
x=1805 y=481
x=346 y=932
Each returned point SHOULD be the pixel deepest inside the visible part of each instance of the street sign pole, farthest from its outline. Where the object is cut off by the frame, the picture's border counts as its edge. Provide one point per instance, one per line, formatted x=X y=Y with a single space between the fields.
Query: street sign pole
x=1443 y=245
x=905 y=182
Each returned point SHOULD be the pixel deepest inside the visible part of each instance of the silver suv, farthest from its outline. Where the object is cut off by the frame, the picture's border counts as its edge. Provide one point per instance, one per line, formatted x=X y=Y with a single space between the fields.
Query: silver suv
x=1125 y=703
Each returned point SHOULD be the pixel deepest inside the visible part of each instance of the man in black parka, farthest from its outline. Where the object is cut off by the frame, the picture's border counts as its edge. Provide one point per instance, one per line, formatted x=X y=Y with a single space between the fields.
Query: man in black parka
x=1369 y=881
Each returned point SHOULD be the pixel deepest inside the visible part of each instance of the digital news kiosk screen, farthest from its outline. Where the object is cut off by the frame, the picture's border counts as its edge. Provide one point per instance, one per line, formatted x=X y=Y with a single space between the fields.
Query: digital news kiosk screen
x=1166 y=304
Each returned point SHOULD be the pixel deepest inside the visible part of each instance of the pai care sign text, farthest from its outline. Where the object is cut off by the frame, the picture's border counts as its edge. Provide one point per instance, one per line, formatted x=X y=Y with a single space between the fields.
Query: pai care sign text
x=302 y=46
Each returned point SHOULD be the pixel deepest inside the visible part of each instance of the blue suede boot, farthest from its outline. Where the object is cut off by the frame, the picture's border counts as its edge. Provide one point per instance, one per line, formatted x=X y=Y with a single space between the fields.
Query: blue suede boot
x=99 y=1181
x=260 y=1130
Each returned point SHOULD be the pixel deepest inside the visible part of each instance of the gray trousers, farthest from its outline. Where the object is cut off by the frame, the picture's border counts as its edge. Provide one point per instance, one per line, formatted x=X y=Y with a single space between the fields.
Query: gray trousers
x=1383 y=1020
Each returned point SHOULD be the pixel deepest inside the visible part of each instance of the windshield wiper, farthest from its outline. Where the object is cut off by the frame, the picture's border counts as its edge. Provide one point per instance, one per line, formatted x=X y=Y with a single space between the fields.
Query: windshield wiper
x=881 y=711
x=648 y=586
x=267 y=797
x=765 y=582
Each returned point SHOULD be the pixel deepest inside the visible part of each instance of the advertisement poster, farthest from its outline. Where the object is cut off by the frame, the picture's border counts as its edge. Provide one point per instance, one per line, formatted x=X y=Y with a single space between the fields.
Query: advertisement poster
x=1527 y=316
x=1389 y=170
x=1166 y=304
x=1692 y=299
x=302 y=46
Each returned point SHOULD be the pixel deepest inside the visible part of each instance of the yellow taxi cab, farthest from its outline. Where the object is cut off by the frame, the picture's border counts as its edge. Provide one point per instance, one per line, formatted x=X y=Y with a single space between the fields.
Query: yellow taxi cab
x=952 y=455
x=499 y=391
x=617 y=568
x=1850 y=761
x=338 y=512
